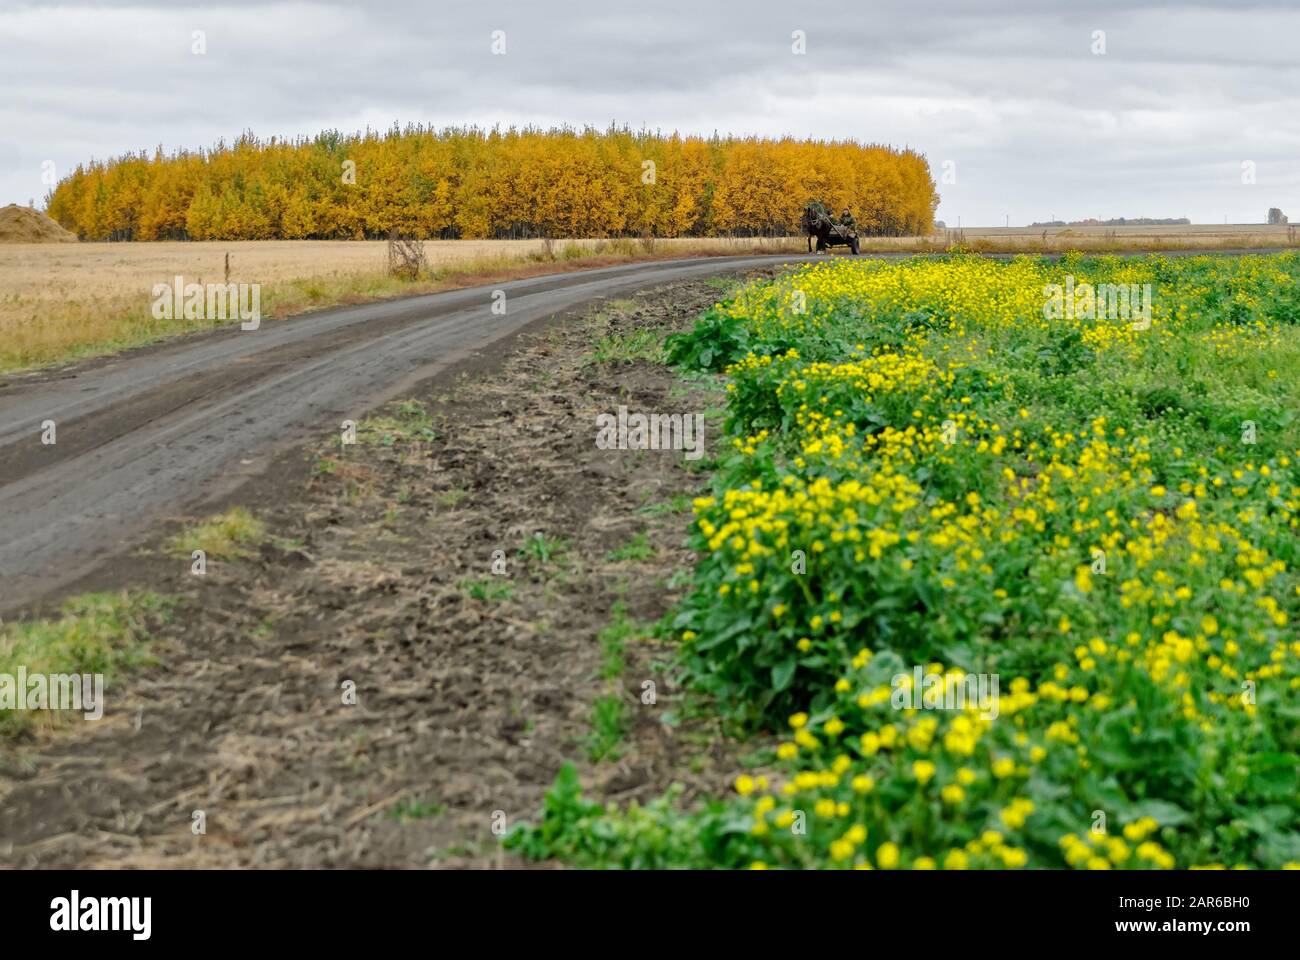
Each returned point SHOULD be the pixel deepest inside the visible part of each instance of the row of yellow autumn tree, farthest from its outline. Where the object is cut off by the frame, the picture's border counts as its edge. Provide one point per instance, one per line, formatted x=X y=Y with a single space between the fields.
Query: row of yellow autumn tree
x=472 y=183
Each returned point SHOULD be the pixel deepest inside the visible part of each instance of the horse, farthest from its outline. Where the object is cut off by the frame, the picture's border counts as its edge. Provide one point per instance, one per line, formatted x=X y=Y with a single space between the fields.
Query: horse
x=828 y=233
x=812 y=214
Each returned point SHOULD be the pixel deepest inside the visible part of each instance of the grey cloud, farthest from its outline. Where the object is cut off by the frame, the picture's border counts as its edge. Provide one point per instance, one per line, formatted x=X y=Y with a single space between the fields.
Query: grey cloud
x=1009 y=90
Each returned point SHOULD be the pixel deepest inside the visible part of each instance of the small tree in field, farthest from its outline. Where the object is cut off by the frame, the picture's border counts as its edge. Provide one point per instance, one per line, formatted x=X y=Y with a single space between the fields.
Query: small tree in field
x=406 y=257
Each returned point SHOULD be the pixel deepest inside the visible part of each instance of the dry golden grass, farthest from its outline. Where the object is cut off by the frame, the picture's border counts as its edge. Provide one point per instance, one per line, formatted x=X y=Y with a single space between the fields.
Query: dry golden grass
x=63 y=301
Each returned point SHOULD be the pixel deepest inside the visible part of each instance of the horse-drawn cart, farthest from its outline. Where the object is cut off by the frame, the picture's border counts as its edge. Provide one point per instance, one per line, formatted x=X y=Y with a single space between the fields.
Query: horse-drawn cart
x=819 y=226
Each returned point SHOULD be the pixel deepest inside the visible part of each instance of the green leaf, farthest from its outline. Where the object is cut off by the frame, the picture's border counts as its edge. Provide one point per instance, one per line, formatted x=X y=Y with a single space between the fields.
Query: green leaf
x=783 y=673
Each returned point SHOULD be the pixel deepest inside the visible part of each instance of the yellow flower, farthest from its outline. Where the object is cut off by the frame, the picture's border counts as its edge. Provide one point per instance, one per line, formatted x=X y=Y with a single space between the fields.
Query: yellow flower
x=1014 y=815
x=805 y=739
x=1139 y=829
x=887 y=856
x=923 y=770
x=744 y=785
x=1013 y=857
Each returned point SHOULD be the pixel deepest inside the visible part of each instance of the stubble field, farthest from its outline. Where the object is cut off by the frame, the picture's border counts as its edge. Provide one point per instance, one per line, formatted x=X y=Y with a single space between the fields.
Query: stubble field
x=62 y=301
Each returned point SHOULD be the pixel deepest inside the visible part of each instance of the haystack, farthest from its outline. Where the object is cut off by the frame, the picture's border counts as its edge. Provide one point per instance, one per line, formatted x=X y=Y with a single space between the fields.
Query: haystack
x=25 y=225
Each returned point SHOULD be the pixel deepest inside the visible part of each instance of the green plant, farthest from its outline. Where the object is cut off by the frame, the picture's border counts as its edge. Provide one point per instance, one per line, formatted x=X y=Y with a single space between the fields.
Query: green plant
x=932 y=484
x=232 y=535
x=607 y=728
x=491 y=590
x=638 y=548
x=99 y=633
x=406 y=421
x=677 y=503
x=615 y=348
x=543 y=551
x=450 y=498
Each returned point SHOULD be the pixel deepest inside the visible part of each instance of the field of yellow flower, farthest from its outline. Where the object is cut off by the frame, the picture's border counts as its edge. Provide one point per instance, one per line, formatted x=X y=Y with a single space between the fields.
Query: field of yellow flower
x=963 y=475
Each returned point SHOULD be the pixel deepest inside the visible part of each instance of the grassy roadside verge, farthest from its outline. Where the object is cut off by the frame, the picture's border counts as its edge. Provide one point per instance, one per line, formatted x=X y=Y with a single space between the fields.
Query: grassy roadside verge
x=102 y=633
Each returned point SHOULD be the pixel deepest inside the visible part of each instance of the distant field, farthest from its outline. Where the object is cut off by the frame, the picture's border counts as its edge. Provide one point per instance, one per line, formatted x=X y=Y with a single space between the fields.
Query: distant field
x=1227 y=235
x=61 y=301
x=65 y=300
x=38 y=274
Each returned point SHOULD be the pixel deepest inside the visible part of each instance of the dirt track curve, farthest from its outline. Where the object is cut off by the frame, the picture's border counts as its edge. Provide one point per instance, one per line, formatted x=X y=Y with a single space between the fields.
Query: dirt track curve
x=165 y=427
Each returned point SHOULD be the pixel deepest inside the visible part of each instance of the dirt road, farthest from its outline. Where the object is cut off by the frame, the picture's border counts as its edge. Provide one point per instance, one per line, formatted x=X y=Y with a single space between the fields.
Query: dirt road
x=472 y=689
x=170 y=426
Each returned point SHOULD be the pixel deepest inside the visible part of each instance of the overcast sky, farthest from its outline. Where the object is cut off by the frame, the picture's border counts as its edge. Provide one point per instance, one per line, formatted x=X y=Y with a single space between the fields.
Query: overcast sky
x=1034 y=122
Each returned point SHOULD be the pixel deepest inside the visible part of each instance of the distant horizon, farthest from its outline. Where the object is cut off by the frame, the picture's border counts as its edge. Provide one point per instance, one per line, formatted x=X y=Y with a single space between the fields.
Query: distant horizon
x=39 y=207
x=1077 y=223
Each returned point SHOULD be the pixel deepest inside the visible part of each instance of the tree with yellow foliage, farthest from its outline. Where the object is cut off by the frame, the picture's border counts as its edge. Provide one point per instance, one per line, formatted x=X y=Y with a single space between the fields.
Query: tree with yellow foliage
x=514 y=183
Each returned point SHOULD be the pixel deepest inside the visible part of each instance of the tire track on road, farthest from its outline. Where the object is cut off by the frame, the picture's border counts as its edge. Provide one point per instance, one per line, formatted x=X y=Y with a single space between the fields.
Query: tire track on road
x=153 y=432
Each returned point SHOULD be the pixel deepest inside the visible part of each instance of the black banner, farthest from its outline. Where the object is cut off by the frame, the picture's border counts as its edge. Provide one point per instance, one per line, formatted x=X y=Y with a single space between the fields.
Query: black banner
x=336 y=909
